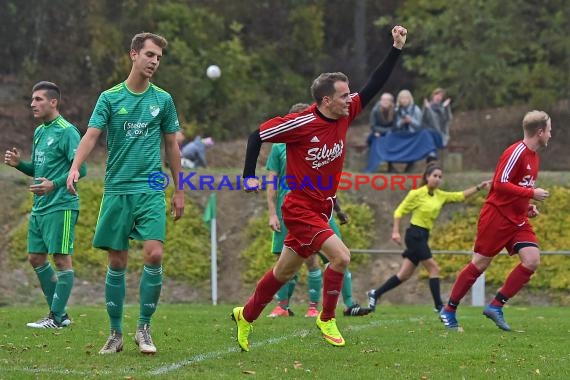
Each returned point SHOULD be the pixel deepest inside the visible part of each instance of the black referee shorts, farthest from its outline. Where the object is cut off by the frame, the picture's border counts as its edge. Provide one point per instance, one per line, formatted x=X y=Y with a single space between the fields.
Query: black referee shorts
x=417 y=248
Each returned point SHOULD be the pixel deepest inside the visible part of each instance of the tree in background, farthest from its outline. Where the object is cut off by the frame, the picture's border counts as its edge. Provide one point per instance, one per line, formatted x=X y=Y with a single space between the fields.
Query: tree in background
x=489 y=53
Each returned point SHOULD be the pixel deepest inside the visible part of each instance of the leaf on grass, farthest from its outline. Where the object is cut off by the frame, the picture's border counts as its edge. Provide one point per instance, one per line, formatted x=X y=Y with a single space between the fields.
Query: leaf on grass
x=248 y=372
x=537 y=371
x=297 y=365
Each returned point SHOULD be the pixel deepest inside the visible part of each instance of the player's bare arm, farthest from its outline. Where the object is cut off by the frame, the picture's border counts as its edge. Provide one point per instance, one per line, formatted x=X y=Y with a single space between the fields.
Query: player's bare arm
x=173 y=157
x=84 y=148
x=272 y=203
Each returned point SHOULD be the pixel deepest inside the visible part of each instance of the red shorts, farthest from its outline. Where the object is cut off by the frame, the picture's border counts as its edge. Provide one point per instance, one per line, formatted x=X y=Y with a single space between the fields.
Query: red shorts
x=495 y=232
x=307 y=224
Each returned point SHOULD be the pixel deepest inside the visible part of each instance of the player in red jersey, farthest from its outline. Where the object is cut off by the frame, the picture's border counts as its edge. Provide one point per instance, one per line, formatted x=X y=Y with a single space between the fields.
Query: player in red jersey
x=316 y=142
x=503 y=221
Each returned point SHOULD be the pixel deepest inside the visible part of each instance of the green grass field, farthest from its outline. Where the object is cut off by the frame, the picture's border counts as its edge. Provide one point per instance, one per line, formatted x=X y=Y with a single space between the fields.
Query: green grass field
x=397 y=342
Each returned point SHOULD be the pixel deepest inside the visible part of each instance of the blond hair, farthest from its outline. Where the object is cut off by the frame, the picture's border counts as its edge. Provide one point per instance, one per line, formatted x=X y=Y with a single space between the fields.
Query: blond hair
x=404 y=93
x=533 y=121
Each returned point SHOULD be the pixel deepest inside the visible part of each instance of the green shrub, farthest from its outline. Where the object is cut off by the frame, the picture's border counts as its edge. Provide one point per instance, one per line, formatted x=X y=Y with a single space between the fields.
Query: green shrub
x=186 y=250
x=551 y=228
x=258 y=257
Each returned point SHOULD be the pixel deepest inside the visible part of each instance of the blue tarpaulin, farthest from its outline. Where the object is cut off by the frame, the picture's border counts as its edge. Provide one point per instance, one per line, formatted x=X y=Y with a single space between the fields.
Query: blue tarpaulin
x=402 y=147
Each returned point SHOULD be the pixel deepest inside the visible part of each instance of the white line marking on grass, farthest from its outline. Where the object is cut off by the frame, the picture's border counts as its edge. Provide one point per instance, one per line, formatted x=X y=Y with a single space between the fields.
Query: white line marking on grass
x=197 y=358
x=55 y=371
x=211 y=355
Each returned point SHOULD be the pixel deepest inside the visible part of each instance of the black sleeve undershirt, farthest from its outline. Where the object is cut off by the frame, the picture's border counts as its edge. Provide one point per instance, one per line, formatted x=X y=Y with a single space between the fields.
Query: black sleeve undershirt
x=379 y=77
x=252 y=152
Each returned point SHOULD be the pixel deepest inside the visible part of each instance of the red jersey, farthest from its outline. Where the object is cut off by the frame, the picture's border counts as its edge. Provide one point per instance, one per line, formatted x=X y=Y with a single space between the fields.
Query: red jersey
x=315 y=148
x=513 y=183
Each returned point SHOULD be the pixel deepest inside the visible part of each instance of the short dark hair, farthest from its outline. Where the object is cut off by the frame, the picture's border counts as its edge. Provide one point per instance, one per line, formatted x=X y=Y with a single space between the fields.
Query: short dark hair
x=323 y=85
x=138 y=40
x=51 y=89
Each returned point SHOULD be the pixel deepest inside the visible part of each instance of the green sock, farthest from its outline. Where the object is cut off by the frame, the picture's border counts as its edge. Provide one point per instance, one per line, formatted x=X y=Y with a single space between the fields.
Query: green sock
x=115 y=289
x=347 y=289
x=292 y=283
x=282 y=294
x=151 y=283
x=315 y=285
x=48 y=280
x=62 y=291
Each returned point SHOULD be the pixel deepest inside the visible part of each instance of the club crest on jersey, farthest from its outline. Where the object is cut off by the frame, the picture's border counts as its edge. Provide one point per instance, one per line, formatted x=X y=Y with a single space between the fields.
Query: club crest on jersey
x=527 y=181
x=154 y=110
x=324 y=155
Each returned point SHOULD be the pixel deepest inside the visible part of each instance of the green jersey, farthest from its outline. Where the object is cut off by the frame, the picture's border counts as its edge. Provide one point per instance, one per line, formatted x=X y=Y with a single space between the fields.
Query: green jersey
x=53 y=149
x=135 y=123
x=277 y=162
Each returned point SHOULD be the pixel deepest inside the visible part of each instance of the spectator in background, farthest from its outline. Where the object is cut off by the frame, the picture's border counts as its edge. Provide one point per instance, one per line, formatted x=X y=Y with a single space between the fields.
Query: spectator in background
x=437 y=117
x=408 y=118
x=194 y=153
x=382 y=122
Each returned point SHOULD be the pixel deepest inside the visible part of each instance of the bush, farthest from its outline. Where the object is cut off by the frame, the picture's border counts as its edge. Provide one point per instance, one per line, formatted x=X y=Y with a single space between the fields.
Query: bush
x=186 y=250
x=551 y=228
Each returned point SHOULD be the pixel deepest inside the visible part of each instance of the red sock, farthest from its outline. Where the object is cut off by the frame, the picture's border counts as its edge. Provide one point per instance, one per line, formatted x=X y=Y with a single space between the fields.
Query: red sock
x=515 y=281
x=332 y=285
x=463 y=283
x=263 y=294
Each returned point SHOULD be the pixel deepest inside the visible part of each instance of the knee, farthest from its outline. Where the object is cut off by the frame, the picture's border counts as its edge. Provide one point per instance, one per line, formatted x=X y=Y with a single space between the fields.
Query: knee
x=284 y=273
x=532 y=263
x=37 y=260
x=312 y=263
x=154 y=256
x=342 y=260
x=434 y=270
x=63 y=262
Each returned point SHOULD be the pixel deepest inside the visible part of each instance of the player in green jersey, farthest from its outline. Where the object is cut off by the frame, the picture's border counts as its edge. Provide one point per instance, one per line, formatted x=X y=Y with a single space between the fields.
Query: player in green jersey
x=51 y=227
x=137 y=115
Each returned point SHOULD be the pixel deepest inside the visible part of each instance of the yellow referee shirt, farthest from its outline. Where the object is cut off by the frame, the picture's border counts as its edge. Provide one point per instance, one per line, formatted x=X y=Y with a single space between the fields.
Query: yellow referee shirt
x=425 y=208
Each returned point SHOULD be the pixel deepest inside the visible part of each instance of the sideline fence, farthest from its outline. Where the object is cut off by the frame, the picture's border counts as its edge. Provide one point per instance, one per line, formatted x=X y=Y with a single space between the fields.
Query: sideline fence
x=478 y=289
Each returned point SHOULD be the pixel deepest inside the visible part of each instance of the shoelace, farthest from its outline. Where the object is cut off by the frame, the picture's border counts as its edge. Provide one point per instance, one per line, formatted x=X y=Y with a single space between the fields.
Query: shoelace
x=145 y=332
x=42 y=320
x=112 y=340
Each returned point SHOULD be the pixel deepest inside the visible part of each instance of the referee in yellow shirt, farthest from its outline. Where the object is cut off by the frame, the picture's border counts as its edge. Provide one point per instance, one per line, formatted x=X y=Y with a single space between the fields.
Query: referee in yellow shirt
x=425 y=204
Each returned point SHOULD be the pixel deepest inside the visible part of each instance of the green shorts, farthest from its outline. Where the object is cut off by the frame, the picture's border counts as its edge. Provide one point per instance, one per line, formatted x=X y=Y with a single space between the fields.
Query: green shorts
x=279 y=237
x=52 y=233
x=130 y=216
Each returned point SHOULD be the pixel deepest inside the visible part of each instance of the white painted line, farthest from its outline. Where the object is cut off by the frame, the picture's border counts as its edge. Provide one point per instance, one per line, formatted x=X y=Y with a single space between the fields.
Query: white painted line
x=199 y=357
x=211 y=355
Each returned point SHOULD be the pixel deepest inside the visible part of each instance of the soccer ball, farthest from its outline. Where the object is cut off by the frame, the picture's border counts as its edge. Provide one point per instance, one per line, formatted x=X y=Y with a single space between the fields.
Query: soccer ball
x=213 y=72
